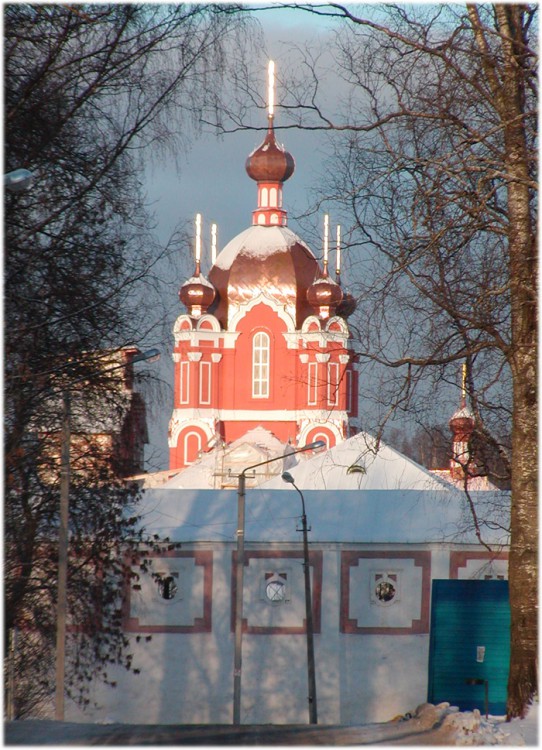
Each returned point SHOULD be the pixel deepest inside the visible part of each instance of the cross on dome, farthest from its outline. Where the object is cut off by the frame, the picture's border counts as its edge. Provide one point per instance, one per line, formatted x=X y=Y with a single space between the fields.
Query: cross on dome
x=270 y=165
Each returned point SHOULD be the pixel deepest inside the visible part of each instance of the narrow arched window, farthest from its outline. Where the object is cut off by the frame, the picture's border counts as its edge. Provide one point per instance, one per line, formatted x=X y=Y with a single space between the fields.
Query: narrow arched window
x=192 y=447
x=260 y=365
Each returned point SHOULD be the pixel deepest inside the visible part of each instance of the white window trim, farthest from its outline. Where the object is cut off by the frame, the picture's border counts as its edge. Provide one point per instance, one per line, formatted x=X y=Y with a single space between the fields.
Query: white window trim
x=260 y=370
x=312 y=394
x=332 y=384
x=186 y=437
x=349 y=381
x=205 y=398
x=184 y=385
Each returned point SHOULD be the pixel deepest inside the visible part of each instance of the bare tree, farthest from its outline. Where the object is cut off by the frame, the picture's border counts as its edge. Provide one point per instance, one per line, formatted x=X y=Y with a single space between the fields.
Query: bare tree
x=434 y=172
x=89 y=90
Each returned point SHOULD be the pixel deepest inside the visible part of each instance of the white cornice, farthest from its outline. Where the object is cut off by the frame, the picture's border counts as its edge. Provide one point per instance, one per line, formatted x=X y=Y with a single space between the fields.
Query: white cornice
x=240 y=310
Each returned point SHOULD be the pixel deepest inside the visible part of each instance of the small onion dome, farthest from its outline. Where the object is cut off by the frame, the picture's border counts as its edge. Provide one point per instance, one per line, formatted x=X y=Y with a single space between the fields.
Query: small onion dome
x=462 y=422
x=324 y=295
x=270 y=162
x=197 y=294
x=347 y=306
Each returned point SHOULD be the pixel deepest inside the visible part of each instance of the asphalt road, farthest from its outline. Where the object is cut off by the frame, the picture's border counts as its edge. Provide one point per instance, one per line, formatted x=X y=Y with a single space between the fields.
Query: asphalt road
x=63 y=733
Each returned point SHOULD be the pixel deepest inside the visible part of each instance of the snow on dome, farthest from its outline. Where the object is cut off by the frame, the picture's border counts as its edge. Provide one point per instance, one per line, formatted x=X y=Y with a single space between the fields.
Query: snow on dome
x=259 y=242
x=264 y=259
x=464 y=413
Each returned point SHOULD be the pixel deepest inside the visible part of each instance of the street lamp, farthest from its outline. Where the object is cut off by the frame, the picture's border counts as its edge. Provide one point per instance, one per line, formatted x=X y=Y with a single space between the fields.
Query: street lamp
x=313 y=713
x=18 y=180
x=62 y=600
x=238 y=645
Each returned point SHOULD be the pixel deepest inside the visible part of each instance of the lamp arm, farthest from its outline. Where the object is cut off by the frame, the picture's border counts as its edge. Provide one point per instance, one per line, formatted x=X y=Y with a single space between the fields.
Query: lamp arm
x=278 y=458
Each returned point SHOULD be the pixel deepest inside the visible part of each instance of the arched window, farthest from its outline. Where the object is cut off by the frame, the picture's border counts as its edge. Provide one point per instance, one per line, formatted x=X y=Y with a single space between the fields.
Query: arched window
x=273 y=197
x=192 y=447
x=260 y=365
x=319 y=436
x=265 y=198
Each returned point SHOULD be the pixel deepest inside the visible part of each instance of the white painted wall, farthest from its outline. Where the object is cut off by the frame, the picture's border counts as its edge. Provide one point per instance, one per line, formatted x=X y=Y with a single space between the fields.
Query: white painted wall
x=187 y=678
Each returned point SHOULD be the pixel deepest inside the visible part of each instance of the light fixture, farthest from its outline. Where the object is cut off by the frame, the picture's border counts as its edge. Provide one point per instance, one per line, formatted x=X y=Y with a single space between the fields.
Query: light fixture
x=240 y=567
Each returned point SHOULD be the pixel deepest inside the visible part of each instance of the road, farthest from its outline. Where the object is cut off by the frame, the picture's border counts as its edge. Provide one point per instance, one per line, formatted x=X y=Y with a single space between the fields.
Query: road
x=63 y=733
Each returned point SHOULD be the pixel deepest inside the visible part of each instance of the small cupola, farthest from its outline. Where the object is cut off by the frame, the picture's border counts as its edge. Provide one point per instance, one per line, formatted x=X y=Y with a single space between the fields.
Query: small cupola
x=348 y=303
x=270 y=165
x=197 y=293
x=325 y=295
x=462 y=425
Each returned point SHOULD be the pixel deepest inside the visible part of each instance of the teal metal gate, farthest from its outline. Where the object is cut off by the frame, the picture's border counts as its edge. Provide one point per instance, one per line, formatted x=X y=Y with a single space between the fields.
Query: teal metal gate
x=470 y=645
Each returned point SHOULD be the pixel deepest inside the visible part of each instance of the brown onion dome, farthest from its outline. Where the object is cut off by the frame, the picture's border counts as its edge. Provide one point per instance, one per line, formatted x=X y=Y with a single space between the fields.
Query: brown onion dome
x=324 y=295
x=270 y=162
x=197 y=294
x=347 y=306
x=462 y=421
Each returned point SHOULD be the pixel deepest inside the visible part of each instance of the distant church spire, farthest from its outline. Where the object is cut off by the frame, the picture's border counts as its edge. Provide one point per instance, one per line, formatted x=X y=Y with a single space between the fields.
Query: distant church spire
x=462 y=426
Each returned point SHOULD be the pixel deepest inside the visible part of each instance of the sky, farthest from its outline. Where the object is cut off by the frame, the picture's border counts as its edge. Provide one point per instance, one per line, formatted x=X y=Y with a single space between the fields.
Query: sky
x=210 y=179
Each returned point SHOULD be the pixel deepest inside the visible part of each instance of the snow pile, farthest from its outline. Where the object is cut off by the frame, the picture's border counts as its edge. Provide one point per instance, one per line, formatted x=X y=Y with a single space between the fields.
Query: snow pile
x=472 y=728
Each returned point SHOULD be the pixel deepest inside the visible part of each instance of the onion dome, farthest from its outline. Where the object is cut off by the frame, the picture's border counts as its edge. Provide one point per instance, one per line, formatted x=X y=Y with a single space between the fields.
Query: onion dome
x=270 y=165
x=324 y=296
x=270 y=162
x=462 y=423
x=346 y=307
x=264 y=259
x=197 y=294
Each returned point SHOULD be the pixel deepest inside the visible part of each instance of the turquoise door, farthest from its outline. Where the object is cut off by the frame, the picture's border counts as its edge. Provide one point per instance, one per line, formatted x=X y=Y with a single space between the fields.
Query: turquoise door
x=470 y=644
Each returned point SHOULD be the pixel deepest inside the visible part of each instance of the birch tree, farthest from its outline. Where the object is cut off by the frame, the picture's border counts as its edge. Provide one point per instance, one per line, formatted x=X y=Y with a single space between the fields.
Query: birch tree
x=434 y=173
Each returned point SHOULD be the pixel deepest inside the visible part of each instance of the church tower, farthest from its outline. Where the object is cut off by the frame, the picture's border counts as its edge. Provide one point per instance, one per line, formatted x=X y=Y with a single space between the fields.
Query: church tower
x=264 y=341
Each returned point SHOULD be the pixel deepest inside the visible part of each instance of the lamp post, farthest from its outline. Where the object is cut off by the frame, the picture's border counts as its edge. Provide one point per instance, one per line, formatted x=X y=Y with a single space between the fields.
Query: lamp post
x=62 y=599
x=238 y=644
x=18 y=180
x=313 y=712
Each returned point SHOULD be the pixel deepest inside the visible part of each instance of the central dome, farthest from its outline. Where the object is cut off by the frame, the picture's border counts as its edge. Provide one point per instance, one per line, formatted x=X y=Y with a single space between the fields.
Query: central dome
x=272 y=260
x=270 y=162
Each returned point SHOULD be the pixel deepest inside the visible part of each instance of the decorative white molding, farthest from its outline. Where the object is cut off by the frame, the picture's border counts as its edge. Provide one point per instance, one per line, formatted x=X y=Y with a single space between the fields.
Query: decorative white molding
x=304 y=358
x=335 y=320
x=208 y=319
x=180 y=320
x=180 y=420
x=176 y=357
x=252 y=415
x=194 y=356
x=262 y=298
x=308 y=322
x=216 y=357
x=321 y=357
x=293 y=340
x=343 y=359
x=335 y=426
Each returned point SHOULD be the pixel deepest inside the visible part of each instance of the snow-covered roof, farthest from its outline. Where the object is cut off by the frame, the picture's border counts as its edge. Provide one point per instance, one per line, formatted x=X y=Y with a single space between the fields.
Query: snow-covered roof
x=359 y=463
x=367 y=516
x=258 y=242
x=212 y=468
x=353 y=493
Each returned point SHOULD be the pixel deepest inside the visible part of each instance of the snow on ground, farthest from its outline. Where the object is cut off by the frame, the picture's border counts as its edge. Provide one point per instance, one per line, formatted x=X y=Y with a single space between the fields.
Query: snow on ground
x=472 y=728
